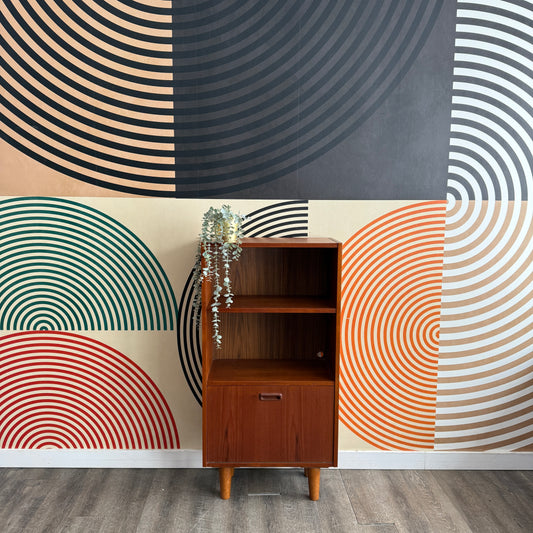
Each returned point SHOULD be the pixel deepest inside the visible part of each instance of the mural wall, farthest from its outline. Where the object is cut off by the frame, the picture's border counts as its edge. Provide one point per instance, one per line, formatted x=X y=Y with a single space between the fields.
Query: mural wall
x=402 y=128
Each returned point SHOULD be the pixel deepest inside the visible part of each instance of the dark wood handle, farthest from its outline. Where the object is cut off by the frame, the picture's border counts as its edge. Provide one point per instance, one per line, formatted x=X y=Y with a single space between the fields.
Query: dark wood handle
x=270 y=396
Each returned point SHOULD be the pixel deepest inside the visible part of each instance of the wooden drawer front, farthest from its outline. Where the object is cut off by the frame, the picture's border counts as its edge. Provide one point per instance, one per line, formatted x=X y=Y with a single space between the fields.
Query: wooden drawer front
x=269 y=425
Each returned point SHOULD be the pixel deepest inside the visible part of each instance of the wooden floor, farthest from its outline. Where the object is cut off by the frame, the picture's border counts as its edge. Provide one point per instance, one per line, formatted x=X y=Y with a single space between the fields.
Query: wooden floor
x=355 y=501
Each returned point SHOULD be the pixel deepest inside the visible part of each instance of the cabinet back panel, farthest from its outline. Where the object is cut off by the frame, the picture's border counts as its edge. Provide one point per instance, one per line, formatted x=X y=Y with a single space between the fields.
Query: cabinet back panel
x=275 y=336
x=284 y=271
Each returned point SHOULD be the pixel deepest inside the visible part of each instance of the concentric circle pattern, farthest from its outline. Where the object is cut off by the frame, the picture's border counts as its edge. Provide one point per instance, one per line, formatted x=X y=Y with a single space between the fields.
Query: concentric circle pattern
x=198 y=99
x=391 y=291
x=485 y=386
x=492 y=127
x=69 y=267
x=61 y=390
x=88 y=90
x=283 y=219
x=280 y=83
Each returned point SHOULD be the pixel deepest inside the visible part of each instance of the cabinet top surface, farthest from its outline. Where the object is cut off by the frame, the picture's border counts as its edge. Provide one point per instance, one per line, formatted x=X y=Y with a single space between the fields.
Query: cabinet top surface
x=289 y=242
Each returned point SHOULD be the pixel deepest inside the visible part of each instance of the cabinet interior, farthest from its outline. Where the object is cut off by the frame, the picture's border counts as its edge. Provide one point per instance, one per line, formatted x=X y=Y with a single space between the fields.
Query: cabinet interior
x=285 y=272
x=284 y=310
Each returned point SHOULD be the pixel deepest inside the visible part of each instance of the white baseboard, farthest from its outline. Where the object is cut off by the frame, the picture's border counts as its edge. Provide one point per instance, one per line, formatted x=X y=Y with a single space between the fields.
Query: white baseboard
x=101 y=458
x=433 y=460
x=193 y=459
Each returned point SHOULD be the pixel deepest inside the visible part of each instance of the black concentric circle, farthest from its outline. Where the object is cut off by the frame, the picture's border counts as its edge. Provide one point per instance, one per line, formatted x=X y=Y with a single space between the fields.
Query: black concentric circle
x=284 y=219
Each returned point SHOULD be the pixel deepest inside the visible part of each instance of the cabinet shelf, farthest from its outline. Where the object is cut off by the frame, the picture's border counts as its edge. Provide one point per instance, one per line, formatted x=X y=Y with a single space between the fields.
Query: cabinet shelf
x=270 y=372
x=279 y=304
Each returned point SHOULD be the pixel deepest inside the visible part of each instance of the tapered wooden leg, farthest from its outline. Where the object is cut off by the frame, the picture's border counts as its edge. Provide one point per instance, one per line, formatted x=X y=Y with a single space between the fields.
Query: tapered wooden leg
x=313 y=478
x=225 y=474
x=306 y=471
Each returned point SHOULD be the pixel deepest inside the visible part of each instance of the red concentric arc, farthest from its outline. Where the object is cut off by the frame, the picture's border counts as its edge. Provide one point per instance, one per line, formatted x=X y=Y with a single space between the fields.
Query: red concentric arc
x=61 y=390
x=391 y=295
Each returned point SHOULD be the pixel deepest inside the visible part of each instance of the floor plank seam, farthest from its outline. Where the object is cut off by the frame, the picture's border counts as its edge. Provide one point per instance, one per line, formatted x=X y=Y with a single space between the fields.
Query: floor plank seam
x=349 y=499
x=374 y=524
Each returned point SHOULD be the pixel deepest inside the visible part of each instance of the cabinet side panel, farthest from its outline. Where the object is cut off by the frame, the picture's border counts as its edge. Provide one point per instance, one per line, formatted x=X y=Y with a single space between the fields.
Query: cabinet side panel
x=337 y=274
x=207 y=353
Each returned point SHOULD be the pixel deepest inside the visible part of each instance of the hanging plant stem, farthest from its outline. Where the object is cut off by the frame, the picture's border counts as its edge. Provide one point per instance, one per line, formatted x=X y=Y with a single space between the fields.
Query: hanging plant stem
x=219 y=245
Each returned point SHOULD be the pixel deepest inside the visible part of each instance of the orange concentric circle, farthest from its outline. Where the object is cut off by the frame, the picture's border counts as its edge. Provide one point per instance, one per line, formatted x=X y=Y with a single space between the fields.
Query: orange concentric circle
x=392 y=282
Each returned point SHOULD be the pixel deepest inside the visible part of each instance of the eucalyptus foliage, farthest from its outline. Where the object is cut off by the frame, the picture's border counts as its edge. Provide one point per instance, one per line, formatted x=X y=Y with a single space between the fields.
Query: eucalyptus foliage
x=219 y=245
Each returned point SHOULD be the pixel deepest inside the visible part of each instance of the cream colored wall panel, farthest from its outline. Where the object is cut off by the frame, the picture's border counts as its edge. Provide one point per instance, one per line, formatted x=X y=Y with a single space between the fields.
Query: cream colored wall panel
x=340 y=219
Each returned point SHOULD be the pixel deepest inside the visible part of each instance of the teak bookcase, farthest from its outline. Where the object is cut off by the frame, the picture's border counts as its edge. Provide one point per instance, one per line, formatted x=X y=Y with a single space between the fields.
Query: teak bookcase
x=270 y=394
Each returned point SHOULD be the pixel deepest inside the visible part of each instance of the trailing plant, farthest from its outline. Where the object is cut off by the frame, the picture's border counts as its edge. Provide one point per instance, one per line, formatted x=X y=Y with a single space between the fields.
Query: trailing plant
x=219 y=245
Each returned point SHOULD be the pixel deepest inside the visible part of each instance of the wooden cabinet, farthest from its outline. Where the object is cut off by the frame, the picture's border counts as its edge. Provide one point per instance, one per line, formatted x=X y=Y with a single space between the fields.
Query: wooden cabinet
x=270 y=393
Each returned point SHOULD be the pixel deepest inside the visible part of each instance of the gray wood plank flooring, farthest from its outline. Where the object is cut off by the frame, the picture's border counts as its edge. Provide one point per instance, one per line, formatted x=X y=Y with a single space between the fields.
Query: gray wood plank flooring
x=264 y=500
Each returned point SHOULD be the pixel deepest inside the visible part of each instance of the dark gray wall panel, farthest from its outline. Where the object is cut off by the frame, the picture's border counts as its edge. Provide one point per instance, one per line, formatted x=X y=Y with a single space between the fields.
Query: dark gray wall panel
x=401 y=151
x=313 y=99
